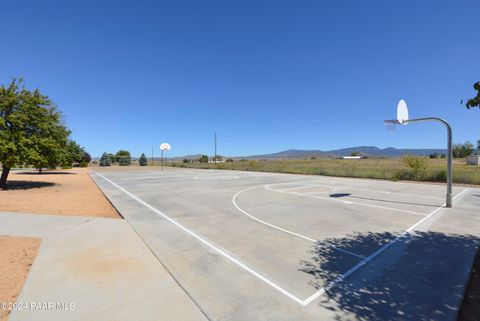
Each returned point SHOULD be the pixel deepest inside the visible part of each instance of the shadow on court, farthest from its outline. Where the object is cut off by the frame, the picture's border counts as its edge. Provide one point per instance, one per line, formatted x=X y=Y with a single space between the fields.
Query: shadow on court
x=420 y=277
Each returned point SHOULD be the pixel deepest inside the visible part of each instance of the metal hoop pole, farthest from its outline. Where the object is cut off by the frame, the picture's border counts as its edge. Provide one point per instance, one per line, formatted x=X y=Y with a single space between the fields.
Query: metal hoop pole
x=448 y=201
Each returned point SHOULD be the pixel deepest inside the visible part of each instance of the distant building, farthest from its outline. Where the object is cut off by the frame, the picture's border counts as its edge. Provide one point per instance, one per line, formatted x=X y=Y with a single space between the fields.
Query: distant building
x=353 y=157
x=473 y=160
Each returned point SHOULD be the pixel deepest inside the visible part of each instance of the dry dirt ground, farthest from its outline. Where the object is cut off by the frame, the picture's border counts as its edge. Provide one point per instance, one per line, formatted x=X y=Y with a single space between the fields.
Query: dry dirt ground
x=66 y=192
x=16 y=258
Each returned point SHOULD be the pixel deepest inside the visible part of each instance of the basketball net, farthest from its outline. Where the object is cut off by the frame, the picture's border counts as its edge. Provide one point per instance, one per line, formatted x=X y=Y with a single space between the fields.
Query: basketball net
x=390 y=126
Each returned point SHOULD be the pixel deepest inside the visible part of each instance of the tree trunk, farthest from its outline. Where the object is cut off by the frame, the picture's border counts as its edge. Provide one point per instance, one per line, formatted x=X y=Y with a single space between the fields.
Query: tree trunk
x=40 y=170
x=3 y=178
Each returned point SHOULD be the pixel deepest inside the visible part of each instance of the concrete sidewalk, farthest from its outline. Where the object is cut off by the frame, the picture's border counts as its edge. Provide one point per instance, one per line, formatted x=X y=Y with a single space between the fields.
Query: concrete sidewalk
x=98 y=268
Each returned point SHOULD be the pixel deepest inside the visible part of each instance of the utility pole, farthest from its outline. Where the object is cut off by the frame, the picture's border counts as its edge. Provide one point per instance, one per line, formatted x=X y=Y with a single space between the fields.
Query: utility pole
x=215 y=157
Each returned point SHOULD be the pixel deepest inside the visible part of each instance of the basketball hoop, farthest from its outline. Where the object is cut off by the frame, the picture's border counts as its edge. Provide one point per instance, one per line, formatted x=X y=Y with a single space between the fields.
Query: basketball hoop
x=165 y=146
x=403 y=119
x=391 y=124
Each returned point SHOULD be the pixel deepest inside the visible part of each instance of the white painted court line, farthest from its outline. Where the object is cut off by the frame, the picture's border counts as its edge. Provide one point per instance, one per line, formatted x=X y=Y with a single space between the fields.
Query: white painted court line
x=144 y=181
x=208 y=244
x=358 y=265
x=390 y=192
x=362 y=204
x=216 y=177
x=342 y=188
x=267 y=187
x=261 y=277
x=419 y=196
x=234 y=201
x=364 y=189
x=332 y=188
x=375 y=254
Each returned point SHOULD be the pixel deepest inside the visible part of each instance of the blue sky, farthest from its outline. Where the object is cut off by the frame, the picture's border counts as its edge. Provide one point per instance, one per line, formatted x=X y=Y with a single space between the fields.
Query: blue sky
x=266 y=75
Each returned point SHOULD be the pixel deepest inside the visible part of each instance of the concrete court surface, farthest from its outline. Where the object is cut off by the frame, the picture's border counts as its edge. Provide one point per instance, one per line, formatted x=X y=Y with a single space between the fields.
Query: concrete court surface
x=88 y=269
x=266 y=246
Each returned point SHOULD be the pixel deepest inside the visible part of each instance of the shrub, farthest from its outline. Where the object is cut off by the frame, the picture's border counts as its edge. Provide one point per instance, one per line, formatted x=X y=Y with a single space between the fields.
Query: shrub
x=124 y=160
x=401 y=174
x=252 y=165
x=229 y=160
x=440 y=176
x=105 y=160
x=143 y=160
x=83 y=164
x=203 y=159
x=416 y=164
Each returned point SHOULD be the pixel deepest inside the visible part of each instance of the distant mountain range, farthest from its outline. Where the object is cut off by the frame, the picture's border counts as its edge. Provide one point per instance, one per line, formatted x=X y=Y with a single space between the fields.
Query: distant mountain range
x=370 y=151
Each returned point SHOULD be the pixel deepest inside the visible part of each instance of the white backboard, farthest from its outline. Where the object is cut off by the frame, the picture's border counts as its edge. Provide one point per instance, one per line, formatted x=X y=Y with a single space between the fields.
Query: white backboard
x=165 y=146
x=402 y=112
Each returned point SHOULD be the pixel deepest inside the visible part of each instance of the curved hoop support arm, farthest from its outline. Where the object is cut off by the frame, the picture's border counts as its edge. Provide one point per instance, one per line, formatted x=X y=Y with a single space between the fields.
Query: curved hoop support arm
x=448 y=202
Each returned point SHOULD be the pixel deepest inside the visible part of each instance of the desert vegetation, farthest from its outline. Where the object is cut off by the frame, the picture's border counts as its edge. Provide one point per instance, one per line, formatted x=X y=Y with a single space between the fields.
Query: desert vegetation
x=406 y=168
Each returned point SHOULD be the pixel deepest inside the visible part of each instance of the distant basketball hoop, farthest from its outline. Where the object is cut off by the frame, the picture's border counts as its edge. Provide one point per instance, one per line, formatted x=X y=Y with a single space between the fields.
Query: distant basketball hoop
x=164 y=148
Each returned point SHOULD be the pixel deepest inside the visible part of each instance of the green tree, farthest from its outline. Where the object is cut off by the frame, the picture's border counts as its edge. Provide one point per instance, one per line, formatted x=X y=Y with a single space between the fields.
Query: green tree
x=203 y=159
x=105 y=160
x=31 y=129
x=112 y=158
x=475 y=101
x=86 y=157
x=478 y=145
x=143 y=160
x=462 y=150
x=456 y=149
x=85 y=160
x=467 y=149
x=123 y=158
x=74 y=153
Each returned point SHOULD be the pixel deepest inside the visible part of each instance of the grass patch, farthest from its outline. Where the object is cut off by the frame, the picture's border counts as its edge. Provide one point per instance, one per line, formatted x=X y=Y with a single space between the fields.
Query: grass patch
x=378 y=168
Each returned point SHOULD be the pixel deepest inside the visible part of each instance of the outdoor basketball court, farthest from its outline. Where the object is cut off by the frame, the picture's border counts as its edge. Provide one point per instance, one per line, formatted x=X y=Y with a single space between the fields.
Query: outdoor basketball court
x=266 y=246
